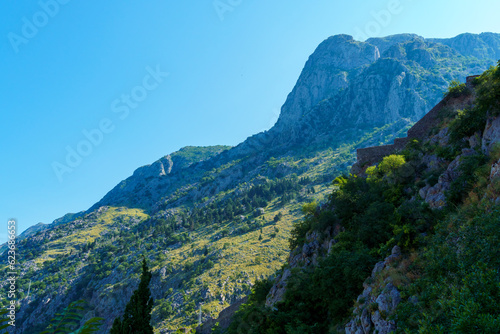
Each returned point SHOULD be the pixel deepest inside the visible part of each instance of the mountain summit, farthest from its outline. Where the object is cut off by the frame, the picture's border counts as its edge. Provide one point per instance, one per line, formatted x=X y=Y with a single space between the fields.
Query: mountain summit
x=346 y=89
x=213 y=220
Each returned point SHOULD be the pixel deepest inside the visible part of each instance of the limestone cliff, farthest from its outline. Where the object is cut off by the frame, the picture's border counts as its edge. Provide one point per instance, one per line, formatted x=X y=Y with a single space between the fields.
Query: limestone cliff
x=346 y=89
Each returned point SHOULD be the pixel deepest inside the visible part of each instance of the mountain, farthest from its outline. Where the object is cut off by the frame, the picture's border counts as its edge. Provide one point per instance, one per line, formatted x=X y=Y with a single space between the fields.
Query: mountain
x=213 y=220
x=346 y=90
x=34 y=229
x=408 y=244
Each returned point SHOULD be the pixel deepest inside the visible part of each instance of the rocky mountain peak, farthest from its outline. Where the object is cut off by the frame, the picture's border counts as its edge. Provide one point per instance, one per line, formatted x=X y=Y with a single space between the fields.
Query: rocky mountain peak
x=485 y=45
x=326 y=72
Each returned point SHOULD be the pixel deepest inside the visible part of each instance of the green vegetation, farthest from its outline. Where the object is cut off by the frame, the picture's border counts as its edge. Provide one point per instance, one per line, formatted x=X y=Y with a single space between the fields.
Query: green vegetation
x=472 y=120
x=3 y=319
x=472 y=169
x=459 y=288
x=373 y=215
x=197 y=248
x=449 y=272
x=193 y=154
x=457 y=89
x=211 y=245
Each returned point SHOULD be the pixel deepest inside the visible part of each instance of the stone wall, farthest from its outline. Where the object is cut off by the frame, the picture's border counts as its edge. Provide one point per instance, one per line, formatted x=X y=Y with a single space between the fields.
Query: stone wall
x=372 y=155
x=420 y=130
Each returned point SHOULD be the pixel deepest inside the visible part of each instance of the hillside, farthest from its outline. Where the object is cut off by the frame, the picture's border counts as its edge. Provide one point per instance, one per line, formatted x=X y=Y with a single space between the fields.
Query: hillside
x=408 y=245
x=211 y=221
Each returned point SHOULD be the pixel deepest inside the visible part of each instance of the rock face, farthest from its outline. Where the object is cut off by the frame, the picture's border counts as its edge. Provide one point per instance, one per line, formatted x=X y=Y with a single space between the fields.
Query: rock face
x=491 y=134
x=484 y=45
x=495 y=170
x=326 y=72
x=376 y=305
x=385 y=90
x=393 y=78
x=346 y=89
x=436 y=195
x=304 y=256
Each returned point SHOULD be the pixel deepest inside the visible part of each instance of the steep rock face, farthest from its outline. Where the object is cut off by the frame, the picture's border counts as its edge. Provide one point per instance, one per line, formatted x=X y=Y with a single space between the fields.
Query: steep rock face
x=346 y=89
x=482 y=141
x=404 y=80
x=377 y=302
x=325 y=73
x=404 y=83
x=384 y=43
x=385 y=93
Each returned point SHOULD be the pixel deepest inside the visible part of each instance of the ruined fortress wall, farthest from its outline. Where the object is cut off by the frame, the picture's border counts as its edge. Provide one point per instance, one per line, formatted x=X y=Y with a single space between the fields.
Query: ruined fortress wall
x=419 y=130
x=374 y=154
x=431 y=119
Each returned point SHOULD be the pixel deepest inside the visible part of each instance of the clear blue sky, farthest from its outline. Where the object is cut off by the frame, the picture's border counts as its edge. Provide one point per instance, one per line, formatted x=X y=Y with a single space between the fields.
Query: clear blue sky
x=69 y=67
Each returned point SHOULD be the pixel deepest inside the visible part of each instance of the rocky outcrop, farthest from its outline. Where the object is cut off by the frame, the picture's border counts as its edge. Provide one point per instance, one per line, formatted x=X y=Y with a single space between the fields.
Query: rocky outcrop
x=377 y=302
x=326 y=72
x=419 y=131
x=491 y=134
x=436 y=195
x=304 y=256
x=495 y=170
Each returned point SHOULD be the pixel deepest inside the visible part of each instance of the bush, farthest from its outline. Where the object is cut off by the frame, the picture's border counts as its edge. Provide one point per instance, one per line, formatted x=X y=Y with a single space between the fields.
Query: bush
x=314 y=296
x=165 y=310
x=469 y=175
x=459 y=291
x=487 y=103
x=390 y=164
x=457 y=89
x=466 y=123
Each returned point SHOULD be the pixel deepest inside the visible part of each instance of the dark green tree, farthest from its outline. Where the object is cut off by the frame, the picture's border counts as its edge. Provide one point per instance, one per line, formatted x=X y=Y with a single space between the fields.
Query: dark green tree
x=137 y=316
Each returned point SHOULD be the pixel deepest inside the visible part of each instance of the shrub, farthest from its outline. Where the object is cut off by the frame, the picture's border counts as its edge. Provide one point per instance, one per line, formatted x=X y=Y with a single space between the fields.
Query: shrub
x=469 y=174
x=390 y=164
x=460 y=289
x=457 y=89
x=466 y=123
x=309 y=209
x=373 y=307
x=470 y=121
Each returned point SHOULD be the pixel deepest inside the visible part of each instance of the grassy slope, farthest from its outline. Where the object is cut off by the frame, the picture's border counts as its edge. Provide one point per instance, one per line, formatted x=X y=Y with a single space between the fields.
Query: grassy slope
x=59 y=259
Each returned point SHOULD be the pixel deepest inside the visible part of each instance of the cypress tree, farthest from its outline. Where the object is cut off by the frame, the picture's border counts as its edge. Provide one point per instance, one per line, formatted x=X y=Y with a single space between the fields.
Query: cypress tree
x=137 y=316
